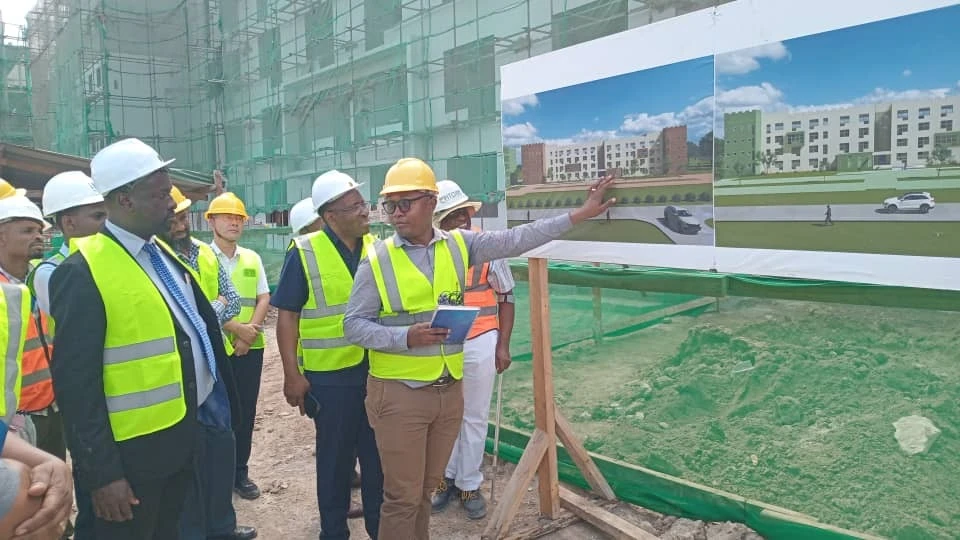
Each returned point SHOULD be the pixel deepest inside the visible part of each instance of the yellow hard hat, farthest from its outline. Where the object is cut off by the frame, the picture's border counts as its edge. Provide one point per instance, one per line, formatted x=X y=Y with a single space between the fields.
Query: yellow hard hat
x=409 y=174
x=182 y=202
x=7 y=190
x=227 y=203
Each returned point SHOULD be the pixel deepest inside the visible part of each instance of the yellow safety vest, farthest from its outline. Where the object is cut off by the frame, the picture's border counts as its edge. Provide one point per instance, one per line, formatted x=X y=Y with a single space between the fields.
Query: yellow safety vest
x=15 y=313
x=54 y=260
x=142 y=371
x=408 y=297
x=207 y=277
x=323 y=346
x=245 y=276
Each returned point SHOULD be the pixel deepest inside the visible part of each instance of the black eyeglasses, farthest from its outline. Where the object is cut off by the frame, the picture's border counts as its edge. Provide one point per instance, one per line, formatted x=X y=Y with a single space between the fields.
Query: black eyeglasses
x=403 y=204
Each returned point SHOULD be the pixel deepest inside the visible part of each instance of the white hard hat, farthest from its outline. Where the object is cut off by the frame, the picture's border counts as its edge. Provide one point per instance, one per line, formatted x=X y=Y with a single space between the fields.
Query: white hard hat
x=20 y=207
x=69 y=190
x=330 y=185
x=302 y=215
x=123 y=162
x=451 y=198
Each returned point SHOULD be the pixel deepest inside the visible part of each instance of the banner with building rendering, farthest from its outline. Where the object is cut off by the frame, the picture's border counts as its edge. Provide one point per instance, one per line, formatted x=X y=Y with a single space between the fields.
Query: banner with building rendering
x=745 y=140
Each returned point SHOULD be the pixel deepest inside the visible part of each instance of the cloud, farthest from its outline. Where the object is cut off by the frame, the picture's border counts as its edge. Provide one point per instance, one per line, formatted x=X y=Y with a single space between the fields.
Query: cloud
x=880 y=95
x=520 y=134
x=907 y=73
x=645 y=123
x=517 y=106
x=747 y=60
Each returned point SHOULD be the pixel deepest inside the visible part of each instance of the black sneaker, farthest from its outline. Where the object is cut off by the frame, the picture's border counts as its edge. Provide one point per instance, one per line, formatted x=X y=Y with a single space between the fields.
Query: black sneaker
x=474 y=503
x=245 y=488
x=441 y=497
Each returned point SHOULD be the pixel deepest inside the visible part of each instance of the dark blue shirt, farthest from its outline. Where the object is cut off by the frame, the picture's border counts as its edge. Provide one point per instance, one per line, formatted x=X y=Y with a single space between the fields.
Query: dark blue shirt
x=291 y=295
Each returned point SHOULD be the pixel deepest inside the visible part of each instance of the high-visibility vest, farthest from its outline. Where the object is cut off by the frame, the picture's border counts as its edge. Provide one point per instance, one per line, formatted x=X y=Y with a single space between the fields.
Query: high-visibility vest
x=408 y=297
x=14 y=321
x=479 y=293
x=53 y=260
x=142 y=370
x=207 y=277
x=323 y=346
x=36 y=388
x=245 y=277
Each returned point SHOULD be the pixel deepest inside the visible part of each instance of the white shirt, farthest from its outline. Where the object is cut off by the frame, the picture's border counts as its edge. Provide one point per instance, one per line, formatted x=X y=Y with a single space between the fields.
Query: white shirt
x=134 y=244
x=230 y=263
x=41 y=280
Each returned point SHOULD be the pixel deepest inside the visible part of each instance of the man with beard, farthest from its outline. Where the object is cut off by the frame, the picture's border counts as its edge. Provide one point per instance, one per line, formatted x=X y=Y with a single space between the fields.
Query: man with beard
x=145 y=353
x=208 y=511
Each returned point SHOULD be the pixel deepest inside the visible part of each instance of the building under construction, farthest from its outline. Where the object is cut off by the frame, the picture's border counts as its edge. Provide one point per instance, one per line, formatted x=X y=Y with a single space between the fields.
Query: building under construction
x=276 y=91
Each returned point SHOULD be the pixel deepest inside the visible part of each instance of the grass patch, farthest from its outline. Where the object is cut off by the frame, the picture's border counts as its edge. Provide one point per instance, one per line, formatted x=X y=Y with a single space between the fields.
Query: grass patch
x=631 y=196
x=801 y=183
x=934 y=239
x=928 y=178
x=708 y=222
x=800 y=174
x=866 y=196
x=617 y=230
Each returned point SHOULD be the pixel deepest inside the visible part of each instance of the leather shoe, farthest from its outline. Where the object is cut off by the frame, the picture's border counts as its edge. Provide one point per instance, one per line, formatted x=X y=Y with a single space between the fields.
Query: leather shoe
x=355 y=511
x=245 y=488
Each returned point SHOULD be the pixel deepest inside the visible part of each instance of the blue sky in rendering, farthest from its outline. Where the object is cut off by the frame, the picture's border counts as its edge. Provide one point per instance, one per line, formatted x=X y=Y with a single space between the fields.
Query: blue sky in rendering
x=899 y=59
x=909 y=57
x=625 y=105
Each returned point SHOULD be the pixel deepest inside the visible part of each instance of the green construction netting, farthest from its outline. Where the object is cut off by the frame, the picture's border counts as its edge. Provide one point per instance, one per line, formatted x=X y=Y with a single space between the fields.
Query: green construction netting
x=702 y=394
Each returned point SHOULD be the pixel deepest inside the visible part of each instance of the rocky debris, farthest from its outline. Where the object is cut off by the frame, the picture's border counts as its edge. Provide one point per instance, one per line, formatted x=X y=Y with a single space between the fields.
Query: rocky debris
x=276 y=487
x=916 y=434
x=730 y=531
x=685 y=529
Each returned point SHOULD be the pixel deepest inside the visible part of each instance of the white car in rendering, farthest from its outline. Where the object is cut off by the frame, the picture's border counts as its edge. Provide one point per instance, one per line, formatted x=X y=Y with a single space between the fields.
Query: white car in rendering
x=919 y=201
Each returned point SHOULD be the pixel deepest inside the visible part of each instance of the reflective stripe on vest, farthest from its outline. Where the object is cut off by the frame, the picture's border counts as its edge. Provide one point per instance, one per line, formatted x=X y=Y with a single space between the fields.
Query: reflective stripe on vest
x=479 y=293
x=245 y=277
x=323 y=346
x=142 y=370
x=408 y=297
x=13 y=330
x=36 y=390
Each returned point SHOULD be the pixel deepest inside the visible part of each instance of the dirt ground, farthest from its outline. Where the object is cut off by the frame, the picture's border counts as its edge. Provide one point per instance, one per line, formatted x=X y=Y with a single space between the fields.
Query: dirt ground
x=282 y=465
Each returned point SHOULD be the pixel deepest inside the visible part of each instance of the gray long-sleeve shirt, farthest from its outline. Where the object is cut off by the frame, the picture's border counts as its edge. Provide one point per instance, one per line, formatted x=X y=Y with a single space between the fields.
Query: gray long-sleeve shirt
x=360 y=324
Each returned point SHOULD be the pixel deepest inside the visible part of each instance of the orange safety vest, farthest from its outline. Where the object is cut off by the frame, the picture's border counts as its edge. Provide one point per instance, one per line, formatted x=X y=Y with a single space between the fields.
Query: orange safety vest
x=36 y=391
x=478 y=293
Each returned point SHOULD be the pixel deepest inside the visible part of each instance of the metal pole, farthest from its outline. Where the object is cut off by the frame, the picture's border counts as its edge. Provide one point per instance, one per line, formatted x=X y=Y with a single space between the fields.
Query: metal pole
x=496 y=440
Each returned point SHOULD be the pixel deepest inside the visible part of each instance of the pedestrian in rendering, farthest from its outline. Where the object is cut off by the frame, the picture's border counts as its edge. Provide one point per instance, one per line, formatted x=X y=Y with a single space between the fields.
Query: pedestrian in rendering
x=828 y=220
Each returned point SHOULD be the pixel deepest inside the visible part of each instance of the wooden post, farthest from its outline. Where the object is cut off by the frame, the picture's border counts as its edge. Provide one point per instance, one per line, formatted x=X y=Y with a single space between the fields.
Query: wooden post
x=543 y=400
x=540 y=455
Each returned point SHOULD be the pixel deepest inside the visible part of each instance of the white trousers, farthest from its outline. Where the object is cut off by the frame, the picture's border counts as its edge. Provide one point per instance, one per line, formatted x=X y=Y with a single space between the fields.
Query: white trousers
x=479 y=372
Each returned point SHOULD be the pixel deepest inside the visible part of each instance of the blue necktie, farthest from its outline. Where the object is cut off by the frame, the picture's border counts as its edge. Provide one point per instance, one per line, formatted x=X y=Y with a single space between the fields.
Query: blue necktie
x=192 y=315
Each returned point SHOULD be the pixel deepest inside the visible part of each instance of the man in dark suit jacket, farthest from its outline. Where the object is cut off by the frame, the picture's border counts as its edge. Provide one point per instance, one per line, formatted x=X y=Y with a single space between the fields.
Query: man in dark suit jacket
x=138 y=484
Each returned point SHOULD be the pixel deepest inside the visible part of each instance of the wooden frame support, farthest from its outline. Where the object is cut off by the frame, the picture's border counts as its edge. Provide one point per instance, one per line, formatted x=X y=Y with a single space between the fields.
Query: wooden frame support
x=540 y=455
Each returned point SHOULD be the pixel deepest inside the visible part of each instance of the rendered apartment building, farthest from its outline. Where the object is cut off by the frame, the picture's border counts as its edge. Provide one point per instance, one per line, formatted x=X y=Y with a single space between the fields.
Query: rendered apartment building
x=899 y=134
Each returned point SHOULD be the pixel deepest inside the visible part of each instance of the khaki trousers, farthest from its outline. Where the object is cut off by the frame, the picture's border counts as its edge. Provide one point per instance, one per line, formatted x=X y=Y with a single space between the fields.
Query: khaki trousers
x=415 y=430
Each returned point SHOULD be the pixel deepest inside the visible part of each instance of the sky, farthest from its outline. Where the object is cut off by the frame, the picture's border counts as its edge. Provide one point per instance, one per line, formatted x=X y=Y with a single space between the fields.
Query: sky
x=909 y=57
x=15 y=11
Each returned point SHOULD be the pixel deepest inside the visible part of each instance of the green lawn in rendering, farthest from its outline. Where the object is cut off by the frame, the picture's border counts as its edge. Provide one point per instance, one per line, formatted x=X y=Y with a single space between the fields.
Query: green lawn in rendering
x=868 y=196
x=618 y=230
x=661 y=195
x=935 y=239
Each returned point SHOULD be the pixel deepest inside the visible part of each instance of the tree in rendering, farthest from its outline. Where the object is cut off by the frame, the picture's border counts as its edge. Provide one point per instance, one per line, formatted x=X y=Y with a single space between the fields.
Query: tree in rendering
x=940 y=157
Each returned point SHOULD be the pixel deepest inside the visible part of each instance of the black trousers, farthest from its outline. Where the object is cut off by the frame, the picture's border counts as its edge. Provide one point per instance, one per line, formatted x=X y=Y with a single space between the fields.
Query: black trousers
x=246 y=371
x=50 y=436
x=343 y=436
x=157 y=517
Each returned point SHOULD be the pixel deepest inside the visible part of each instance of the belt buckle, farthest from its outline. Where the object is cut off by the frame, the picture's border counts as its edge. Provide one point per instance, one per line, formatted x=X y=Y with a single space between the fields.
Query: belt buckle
x=443 y=381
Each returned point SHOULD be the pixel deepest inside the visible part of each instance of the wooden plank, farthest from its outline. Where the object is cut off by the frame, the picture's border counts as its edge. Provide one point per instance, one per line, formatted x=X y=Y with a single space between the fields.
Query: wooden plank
x=609 y=523
x=540 y=531
x=578 y=453
x=543 y=398
x=517 y=486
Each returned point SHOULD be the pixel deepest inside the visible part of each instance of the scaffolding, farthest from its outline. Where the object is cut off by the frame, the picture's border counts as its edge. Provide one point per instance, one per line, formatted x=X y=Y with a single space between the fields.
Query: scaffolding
x=15 y=111
x=276 y=91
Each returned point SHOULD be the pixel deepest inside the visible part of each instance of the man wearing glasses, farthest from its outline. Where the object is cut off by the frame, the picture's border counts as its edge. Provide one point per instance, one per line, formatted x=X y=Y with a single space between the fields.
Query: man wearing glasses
x=324 y=375
x=414 y=396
